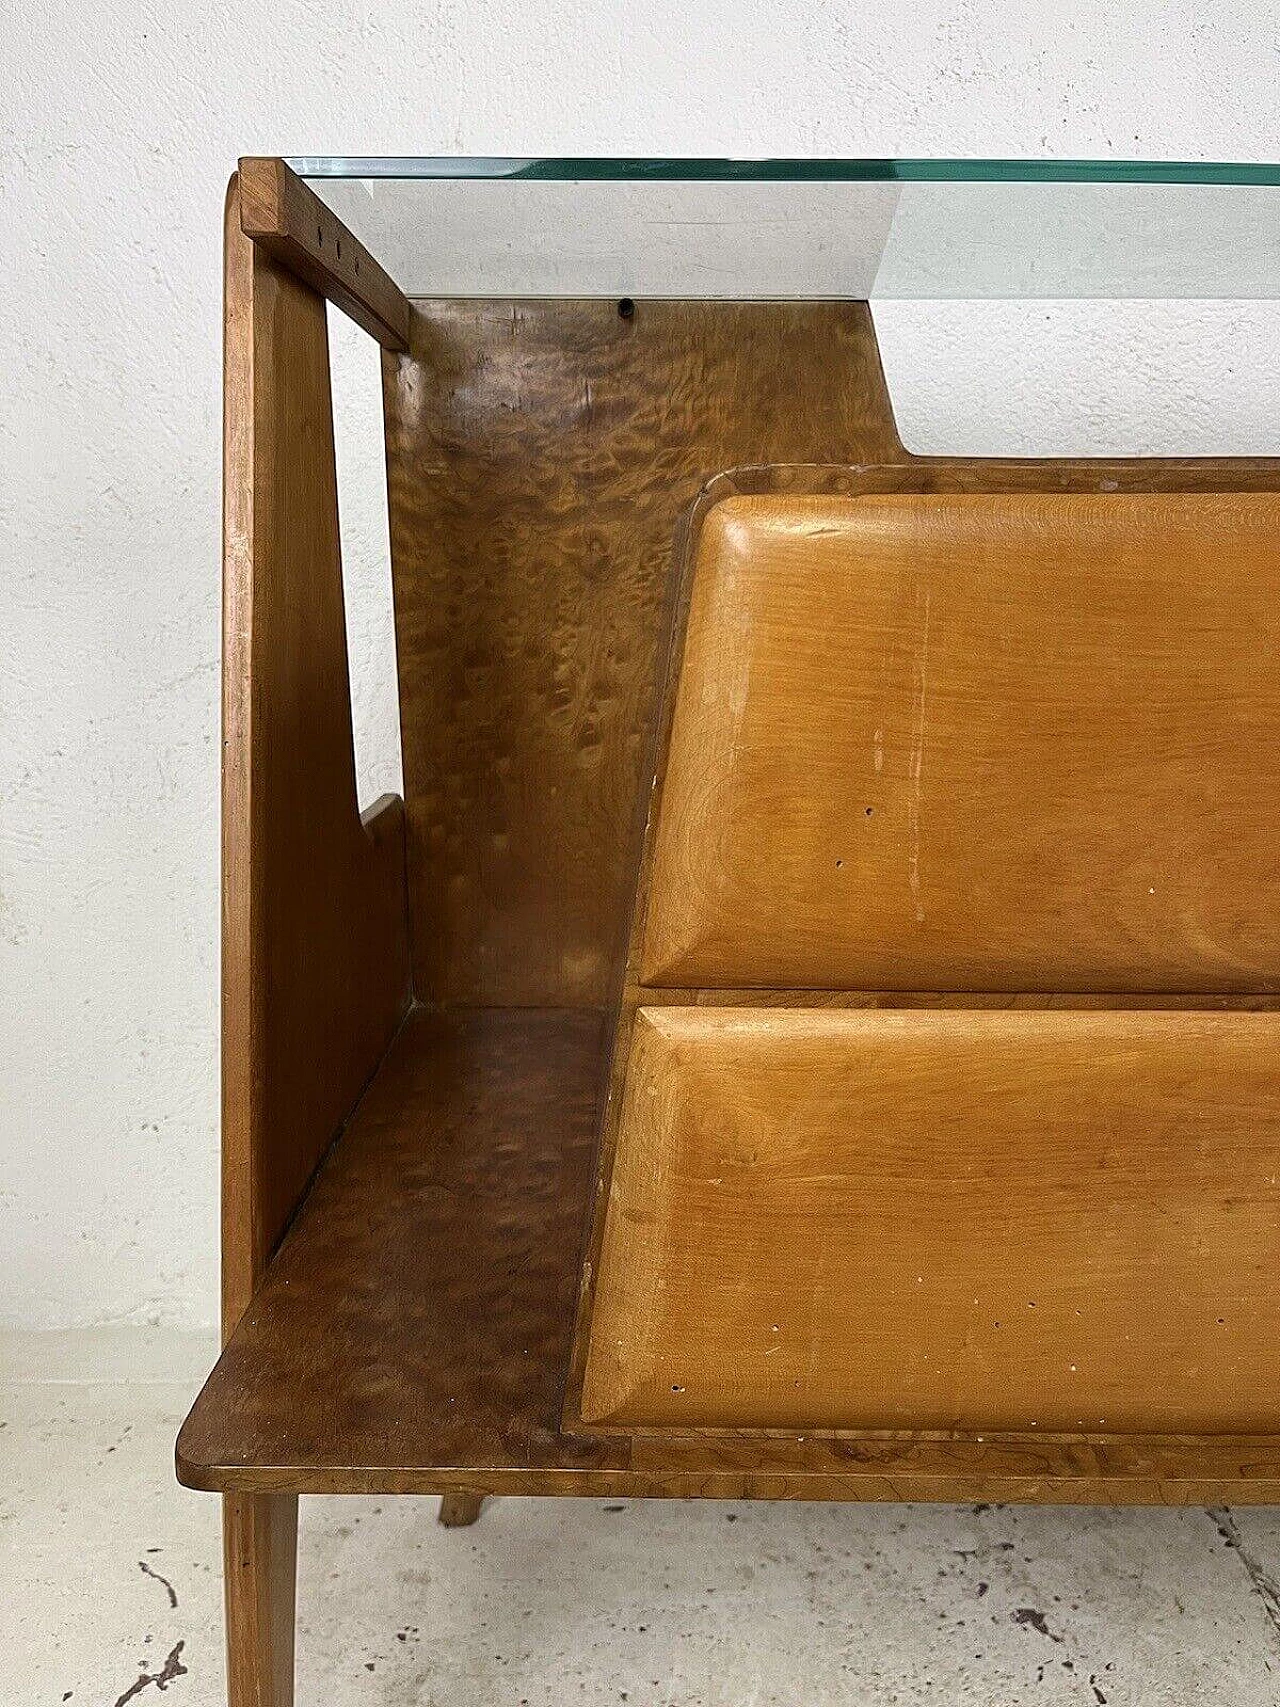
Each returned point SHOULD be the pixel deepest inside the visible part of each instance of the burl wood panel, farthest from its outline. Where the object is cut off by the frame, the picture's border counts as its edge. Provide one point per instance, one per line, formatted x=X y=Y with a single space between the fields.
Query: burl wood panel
x=970 y=1221
x=415 y=1339
x=315 y=974
x=989 y=742
x=419 y=1310
x=541 y=455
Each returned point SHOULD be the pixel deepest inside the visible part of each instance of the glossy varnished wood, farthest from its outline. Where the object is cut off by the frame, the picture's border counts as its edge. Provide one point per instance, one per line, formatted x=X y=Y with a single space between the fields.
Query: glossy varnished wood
x=414 y=1330
x=976 y=741
x=541 y=455
x=911 y=476
x=943 y=1220
x=419 y=1310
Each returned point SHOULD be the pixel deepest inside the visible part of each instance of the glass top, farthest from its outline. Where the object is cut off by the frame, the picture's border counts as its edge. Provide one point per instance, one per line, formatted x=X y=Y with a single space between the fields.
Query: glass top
x=804 y=229
x=571 y=169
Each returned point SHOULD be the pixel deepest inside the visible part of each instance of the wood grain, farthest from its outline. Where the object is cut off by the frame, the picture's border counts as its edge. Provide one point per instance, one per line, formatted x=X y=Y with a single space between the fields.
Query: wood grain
x=315 y=972
x=315 y=975
x=260 y=1565
x=943 y=1221
x=985 y=742
x=541 y=455
x=844 y=482
x=278 y=211
x=415 y=1339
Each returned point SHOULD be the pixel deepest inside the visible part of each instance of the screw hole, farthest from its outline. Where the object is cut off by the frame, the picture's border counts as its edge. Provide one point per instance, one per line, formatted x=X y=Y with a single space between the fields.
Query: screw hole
x=870 y=810
x=626 y=308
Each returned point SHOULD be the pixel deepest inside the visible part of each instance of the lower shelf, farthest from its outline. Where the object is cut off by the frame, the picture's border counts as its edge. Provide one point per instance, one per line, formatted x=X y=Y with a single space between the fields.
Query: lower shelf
x=413 y=1332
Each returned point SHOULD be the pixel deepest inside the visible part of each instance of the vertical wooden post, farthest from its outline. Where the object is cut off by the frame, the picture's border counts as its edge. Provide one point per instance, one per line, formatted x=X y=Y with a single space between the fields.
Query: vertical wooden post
x=315 y=961
x=259 y=1531
x=260 y=1552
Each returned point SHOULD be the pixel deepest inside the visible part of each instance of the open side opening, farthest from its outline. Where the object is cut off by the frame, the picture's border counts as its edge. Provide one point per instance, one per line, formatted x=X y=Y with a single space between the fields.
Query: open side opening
x=360 y=451
x=1082 y=378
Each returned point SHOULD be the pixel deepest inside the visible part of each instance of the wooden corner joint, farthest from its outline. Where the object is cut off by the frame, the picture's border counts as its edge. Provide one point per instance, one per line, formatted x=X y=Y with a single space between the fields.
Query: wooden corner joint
x=279 y=211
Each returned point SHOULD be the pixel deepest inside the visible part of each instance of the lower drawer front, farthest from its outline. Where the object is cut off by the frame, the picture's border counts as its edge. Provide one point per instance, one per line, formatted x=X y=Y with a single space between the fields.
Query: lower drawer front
x=943 y=1220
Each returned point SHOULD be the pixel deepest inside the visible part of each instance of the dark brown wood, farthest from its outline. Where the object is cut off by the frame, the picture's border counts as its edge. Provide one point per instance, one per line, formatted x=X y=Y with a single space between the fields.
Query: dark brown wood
x=541 y=456
x=279 y=211
x=414 y=1331
x=459 y=1509
x=260 y=1563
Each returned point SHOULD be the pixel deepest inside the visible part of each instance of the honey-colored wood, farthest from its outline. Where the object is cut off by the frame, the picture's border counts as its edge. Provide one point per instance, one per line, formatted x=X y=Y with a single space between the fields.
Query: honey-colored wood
x=958 y=1221
x=413 y=1329
x=541 y=456
x=912 y=476
x=986 y=742
x=304 y=235
x=413 y=1332
x=315 y=972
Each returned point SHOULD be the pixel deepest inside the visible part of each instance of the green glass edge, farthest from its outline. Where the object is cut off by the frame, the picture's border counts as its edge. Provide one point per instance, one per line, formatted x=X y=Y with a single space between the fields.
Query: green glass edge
x=624 y=170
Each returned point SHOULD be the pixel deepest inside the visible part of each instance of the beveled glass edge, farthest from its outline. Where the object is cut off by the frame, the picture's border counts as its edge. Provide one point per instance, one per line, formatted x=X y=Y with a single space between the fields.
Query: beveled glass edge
x=569 y=169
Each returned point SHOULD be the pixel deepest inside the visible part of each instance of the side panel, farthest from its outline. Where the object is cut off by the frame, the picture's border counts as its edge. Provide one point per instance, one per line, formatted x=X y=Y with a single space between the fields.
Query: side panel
x=541 y=457
x=315 y=954
x=976 y=742
x=978 y=1222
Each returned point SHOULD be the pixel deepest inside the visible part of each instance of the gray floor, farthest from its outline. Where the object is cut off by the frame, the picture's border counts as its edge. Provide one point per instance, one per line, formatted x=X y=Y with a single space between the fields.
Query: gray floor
x=111 y=1594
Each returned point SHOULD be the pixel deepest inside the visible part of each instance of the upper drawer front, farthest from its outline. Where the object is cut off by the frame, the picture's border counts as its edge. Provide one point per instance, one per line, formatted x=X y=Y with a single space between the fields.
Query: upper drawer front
x=937 y=1220
x=976 y=742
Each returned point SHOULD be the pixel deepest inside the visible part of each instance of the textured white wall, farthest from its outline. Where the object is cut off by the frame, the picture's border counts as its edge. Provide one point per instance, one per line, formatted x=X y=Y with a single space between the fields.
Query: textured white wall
x=120 y=125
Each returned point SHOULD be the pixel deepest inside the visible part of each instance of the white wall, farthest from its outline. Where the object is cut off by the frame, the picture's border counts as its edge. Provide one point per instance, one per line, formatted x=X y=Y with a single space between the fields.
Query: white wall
x=120 y=126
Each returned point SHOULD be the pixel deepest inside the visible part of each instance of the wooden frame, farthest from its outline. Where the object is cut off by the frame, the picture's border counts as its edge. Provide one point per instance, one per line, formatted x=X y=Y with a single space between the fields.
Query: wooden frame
x=438 y=983
x=306 y=881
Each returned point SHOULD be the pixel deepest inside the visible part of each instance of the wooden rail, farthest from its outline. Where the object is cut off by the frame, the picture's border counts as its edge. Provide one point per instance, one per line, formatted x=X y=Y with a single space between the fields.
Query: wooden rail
x=290 y=221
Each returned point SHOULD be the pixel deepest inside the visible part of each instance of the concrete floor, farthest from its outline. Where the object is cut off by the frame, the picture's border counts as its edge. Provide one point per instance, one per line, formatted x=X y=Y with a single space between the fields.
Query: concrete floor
x=111 y=1595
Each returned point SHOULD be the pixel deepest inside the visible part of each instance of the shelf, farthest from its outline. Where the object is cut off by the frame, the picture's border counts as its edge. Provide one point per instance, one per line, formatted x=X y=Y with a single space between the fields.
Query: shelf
x=413 y=1332
x=418 y=1316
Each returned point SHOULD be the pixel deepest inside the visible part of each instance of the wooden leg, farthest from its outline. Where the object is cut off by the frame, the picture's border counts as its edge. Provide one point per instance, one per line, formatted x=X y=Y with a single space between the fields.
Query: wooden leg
x=260 y=1556
x=458 y=1508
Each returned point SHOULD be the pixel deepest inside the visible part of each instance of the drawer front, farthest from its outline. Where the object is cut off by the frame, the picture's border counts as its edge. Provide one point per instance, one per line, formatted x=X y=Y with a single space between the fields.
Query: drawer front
x=975 y=742
x=942 y=1220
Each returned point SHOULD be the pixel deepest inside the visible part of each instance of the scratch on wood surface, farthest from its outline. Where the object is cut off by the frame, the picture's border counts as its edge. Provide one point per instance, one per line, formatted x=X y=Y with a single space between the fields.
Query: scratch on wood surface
x=917 y=761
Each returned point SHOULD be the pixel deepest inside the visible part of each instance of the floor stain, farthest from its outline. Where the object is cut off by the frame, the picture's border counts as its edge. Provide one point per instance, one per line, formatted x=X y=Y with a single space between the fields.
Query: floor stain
x=1263 y=1584
x=173 y=1667
x=168 y=1587
x=1036 y=1619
